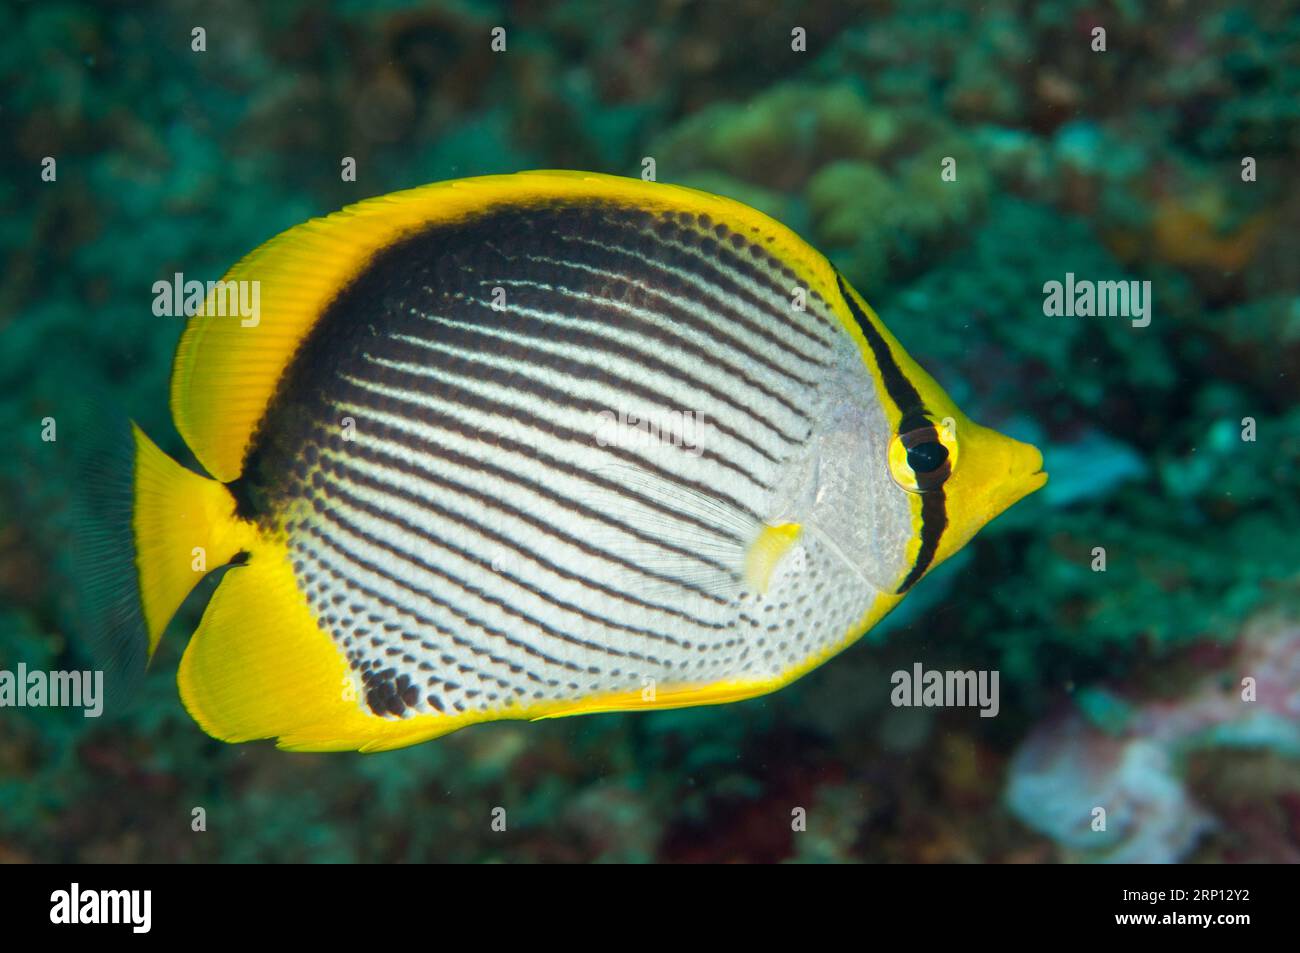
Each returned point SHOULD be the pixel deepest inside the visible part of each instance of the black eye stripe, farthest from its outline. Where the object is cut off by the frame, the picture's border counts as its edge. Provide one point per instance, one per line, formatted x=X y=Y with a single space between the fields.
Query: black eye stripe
x=915 y=421
x=934 y=515
x=920 y=435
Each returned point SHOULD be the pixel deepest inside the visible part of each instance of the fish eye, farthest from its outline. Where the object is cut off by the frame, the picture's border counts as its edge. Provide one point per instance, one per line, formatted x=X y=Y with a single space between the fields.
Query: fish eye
x=927 y=457
x=922 y=455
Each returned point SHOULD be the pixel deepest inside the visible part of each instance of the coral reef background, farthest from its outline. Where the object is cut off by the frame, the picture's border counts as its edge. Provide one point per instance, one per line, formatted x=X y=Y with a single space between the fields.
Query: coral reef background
x=1120 y=688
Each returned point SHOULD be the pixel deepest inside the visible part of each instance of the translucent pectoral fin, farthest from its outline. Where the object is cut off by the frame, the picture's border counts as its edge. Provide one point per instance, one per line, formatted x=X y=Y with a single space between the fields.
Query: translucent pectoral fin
x=682 y=536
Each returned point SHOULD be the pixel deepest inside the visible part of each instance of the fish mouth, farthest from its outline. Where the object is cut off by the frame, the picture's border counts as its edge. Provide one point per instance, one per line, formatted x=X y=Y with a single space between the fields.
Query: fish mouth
x=1017 y=470
x=1027 y=476
x=1036 y=481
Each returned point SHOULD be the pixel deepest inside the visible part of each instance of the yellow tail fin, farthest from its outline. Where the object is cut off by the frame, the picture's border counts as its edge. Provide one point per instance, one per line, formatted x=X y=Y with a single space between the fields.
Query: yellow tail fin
x=148 y=531
x=184 y=524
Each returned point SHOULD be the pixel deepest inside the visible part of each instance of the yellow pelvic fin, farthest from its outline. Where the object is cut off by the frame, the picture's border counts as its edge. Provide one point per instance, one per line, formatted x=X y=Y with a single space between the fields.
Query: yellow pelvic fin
x=184 y=525
x=766 y=552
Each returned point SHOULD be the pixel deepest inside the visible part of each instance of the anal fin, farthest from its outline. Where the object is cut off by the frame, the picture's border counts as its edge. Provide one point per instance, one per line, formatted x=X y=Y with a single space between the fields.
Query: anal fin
x=259 y=666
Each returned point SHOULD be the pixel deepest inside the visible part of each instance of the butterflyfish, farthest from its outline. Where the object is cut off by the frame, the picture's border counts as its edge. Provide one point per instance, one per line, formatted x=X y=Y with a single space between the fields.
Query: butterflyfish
x=526 y=446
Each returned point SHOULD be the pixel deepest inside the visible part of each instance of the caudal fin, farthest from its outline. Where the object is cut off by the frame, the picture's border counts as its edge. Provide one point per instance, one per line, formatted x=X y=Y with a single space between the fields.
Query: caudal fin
x=147 y=530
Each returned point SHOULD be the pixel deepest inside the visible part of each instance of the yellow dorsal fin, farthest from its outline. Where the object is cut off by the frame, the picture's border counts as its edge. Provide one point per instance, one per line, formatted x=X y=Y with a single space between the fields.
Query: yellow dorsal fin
x=228 y=365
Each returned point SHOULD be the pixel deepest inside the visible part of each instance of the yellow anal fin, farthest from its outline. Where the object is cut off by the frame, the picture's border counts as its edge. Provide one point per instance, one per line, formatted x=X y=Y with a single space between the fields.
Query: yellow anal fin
x=766 y=553
x=260 y=667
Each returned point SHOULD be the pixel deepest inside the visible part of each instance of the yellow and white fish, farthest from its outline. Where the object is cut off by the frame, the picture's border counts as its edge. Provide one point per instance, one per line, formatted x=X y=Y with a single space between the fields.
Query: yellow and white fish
x=534 y=445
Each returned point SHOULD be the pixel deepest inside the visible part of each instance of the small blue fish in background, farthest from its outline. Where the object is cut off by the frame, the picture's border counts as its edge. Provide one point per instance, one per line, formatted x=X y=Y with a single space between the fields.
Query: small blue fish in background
x=429 y=520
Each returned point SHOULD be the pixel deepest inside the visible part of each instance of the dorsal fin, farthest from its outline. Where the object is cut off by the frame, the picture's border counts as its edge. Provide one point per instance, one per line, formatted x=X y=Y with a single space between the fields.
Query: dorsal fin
x=226 y=373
